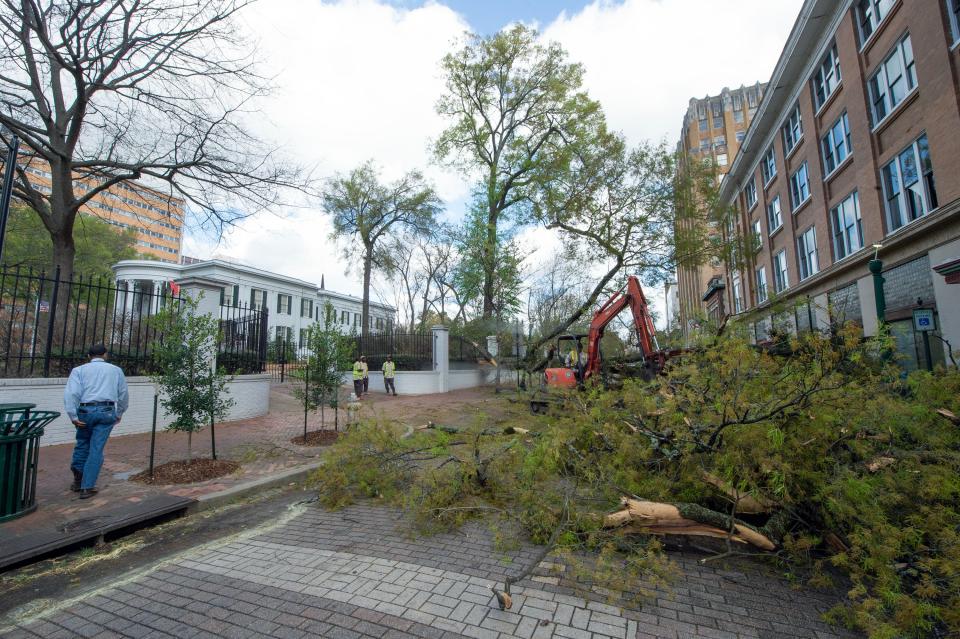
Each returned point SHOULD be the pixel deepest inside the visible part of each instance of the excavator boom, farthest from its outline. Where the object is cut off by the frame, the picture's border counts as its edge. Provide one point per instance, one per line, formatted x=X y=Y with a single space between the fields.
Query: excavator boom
x=631 y=296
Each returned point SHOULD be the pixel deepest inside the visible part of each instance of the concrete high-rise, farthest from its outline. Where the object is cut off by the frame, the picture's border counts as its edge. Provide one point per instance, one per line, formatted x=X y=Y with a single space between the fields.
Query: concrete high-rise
x=713 y=129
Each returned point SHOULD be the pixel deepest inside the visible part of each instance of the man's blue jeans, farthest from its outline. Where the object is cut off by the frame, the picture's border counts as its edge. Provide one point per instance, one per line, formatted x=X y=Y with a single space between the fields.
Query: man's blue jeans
x=88 y=452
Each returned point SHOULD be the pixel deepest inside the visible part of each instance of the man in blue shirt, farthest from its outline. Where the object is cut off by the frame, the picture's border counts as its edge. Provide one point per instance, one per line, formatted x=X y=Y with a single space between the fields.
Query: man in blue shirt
x=95 y=399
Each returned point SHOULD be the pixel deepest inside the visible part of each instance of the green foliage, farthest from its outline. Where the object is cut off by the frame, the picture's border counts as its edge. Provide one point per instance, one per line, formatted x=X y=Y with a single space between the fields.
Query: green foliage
x=281 y=350
x=190 y=389
x=99 y=245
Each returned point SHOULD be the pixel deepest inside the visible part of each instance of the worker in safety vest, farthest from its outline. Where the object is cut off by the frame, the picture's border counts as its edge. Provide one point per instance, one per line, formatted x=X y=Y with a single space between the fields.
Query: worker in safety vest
x=389 y=372
x=358 y=377
x=575 y=361
x=366 y=374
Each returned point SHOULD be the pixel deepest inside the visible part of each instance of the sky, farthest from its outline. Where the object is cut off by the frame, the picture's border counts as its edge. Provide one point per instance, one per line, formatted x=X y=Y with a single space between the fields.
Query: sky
x=358 y=80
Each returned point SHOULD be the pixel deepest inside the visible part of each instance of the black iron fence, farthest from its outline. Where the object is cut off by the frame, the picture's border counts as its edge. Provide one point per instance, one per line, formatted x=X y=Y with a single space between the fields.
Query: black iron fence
x=410 y=351
x=47 y=323
x=466 y=351
x=242 y=347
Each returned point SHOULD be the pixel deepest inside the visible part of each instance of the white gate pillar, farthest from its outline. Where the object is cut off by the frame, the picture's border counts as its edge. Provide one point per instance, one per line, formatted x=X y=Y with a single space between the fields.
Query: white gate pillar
x=441 y=357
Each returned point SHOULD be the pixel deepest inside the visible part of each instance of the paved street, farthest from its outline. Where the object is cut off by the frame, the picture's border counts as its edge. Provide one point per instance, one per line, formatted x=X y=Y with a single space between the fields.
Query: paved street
x=353 y=573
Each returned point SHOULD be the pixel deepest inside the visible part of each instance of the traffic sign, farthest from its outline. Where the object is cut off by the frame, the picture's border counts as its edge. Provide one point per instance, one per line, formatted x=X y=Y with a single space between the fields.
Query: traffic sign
x=923 y=319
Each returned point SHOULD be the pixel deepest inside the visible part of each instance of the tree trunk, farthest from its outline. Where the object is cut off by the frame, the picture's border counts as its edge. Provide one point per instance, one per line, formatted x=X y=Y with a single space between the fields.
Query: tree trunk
x=367 y=269
x=489 y=263
x=189 y=446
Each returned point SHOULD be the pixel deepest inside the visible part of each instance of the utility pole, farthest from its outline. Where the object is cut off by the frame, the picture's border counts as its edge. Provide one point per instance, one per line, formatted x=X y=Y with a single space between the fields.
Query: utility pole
x=5 y=195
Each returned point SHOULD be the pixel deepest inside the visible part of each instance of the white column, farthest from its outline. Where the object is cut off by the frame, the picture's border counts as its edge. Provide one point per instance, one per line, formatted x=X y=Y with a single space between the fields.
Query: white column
x=157 y=293
x=441 y=356
x=128 y=296
x=208 y=303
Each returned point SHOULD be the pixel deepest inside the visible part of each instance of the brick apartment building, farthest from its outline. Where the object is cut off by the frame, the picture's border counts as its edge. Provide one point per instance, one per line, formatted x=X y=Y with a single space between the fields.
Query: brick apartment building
x=713 y=129
x=156 y=217
x=856 y=144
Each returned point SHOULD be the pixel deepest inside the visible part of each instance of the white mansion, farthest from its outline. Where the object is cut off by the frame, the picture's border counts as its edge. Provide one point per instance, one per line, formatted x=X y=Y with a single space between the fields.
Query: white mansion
x=292 y=304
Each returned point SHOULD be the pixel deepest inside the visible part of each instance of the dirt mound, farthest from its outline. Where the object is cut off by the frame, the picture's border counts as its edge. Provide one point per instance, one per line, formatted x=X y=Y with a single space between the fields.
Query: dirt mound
x=316 y=438
x=187 y=472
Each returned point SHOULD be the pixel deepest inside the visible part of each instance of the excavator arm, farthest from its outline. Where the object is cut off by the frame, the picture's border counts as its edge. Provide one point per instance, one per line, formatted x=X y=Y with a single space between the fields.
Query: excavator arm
x=633 y=297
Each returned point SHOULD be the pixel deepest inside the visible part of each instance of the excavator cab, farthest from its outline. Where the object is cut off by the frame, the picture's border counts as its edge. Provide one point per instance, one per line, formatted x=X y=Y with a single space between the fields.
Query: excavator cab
x=566 y=370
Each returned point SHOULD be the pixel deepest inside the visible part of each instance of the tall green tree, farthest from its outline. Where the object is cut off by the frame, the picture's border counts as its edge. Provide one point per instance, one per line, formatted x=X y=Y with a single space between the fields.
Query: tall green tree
x=516 y=110
x=366 y=210
x=191 y=388
x=99 y=245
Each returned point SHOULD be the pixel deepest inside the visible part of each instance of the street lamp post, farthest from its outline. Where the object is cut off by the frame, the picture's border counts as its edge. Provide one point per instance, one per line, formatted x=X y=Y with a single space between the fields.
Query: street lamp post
x=876 y=268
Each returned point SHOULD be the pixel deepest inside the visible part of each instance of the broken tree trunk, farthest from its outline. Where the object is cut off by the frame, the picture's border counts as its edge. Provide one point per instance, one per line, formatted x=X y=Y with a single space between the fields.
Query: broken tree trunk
x=658 y=518
x=747 y=504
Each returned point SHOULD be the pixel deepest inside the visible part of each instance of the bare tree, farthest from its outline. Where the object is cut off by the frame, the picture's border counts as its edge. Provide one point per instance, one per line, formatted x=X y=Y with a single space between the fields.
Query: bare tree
x=114 y=91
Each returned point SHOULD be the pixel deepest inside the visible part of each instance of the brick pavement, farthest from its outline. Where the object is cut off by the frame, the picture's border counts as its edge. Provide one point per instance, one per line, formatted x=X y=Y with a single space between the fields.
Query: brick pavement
x=355 y=573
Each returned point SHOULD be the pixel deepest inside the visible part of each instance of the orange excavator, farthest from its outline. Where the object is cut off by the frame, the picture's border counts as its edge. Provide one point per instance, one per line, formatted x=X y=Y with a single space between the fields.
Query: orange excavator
x=579 y=369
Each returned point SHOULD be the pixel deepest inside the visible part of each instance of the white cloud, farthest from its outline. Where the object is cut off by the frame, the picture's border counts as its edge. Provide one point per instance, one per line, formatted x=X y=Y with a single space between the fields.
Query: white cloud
x=358 y=79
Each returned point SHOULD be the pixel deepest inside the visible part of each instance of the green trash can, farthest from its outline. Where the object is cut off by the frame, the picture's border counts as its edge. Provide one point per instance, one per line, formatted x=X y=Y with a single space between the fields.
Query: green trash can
x=20 y=432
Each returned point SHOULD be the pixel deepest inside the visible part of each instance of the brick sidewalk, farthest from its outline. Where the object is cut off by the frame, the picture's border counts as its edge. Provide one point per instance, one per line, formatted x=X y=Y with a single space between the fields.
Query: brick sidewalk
x=354 y=574
x=261 y=445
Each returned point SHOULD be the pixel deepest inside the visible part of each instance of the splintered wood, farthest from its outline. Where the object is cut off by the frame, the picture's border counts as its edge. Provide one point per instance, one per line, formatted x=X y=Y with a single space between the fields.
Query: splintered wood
x=657 y=518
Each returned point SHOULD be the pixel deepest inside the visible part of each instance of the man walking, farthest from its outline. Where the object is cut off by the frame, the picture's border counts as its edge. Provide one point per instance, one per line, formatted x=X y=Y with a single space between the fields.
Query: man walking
x=366 y=374
x=389 y=372
x=95 y=399
x=358 y=377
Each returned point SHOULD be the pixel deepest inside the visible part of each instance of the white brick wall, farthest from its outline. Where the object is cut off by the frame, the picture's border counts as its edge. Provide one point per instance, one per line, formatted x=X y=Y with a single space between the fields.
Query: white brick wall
x=251 y=394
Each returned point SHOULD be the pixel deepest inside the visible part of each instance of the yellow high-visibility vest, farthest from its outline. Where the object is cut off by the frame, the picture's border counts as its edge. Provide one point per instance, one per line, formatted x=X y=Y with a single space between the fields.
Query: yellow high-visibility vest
x=357 y=370
x=389 y=369
x=365 y=369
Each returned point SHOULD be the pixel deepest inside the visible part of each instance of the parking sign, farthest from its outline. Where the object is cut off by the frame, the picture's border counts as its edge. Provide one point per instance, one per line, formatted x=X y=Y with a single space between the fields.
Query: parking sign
x=923 y=319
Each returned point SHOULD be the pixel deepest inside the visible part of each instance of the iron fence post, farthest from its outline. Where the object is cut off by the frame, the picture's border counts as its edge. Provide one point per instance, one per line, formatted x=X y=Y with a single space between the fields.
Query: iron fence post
x=213 y=436
x=153 y=433
x=50 y=323
x=306 y=398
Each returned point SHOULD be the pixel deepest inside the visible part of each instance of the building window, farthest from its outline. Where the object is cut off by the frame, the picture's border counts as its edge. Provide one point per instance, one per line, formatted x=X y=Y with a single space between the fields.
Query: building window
x=827 y=77
x=718 y=121
x=836 y=144
x=761 y=284
x=908 y=185
x=258 y=298
x=847 y=230
x=229 y=295
x=740 y=136
x=719 y=141
x=774 y=215
x=752 y=98
x=807 y=253
x=869 y=14
x=781 y=278
x=704 y=125
x=799 y=187
x=284 y=334
x=953 y=10
x=737 y=101
x=792 y=131
x=737 y=294
x=768 y=167
x=750 y=193
x=283 y=303
x=704 y=146
x=722 y=159
x=306 y=308
x=701 y=111
x=344 y=317
x=738 y=117
x=356 y=319
x=757 y=235
x=896 y=77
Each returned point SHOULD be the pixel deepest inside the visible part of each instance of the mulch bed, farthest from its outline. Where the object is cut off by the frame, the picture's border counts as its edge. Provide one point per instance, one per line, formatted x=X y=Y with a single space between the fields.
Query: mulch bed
x=187 y=472
x=317 y=438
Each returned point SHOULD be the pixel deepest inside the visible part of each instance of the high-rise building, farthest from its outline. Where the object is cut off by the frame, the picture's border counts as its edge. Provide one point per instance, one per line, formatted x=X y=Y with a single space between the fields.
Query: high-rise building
x=848 y=180
x=713 y=129
x=156 y=217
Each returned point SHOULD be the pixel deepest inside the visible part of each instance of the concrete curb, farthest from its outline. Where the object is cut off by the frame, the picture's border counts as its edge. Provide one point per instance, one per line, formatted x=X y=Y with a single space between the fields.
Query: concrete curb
x=220 y=498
